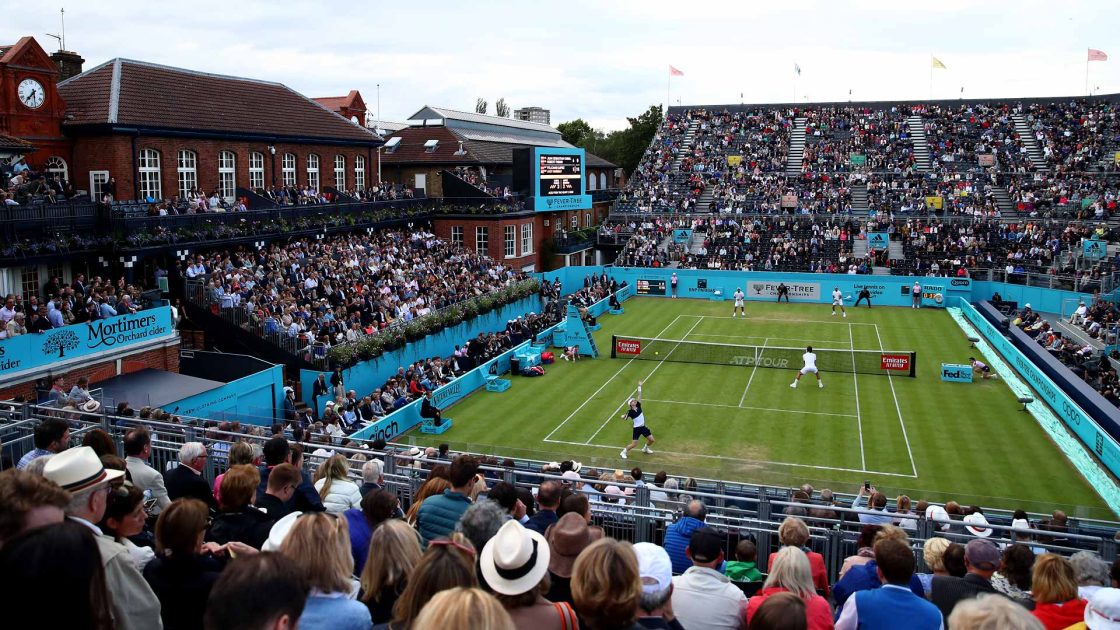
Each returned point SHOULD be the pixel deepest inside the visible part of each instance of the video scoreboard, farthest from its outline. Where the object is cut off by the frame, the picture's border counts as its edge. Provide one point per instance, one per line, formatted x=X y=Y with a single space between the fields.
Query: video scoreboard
x=551 y=179
x=650 y=287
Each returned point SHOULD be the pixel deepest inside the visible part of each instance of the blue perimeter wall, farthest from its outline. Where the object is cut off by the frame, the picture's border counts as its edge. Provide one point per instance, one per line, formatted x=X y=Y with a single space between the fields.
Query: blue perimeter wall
x=253 y=399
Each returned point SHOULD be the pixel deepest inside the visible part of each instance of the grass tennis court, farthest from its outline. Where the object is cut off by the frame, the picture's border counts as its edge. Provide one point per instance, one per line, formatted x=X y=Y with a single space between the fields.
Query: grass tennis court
x=920 y=436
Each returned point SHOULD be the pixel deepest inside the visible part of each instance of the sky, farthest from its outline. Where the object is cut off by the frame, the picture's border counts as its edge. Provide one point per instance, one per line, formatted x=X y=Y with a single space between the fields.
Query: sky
x=604 y=60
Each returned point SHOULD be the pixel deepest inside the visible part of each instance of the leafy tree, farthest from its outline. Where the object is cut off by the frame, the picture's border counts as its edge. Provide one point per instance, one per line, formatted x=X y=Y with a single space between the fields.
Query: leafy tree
x=577 y=132
x=480 y=106
x=624 y=147
x=501 y=109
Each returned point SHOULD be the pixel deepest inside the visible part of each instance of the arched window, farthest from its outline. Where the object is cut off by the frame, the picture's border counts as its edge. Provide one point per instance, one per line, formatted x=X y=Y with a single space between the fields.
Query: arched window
x=227 y=175
x=57 y=166
x=288 y=169
x=602 y=181
x=313 y=172
x=256 y=170
x=360 y=172
x=150 y=186
x=340 y=172
x=590 y=181
x=187 y=172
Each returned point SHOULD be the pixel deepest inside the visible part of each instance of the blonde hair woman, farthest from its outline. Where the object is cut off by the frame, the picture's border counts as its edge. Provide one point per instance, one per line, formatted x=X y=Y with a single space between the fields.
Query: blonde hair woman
x=394 y=549
x=793 y=532
x=992 y=611
x=319 y=543
x=335 y=488
x=1054 y=587
x=933 y=551
x=606 y=585
x=463 y=609
x=790 y=573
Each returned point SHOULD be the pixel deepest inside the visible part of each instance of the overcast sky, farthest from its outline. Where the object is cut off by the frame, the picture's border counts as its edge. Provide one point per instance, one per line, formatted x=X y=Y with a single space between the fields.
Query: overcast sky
x=603 y=60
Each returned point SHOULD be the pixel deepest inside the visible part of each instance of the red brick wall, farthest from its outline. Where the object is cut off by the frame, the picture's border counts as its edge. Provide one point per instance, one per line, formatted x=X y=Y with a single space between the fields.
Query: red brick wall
x=496 y=245
x=166 y=358
x=113 y=153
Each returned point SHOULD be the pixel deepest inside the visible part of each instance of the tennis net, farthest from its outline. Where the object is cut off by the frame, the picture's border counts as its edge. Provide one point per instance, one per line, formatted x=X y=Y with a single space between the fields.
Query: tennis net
x=883 y=362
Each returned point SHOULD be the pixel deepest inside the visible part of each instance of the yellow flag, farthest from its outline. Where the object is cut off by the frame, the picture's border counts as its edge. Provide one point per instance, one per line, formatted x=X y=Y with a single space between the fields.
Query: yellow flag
x=937 y=63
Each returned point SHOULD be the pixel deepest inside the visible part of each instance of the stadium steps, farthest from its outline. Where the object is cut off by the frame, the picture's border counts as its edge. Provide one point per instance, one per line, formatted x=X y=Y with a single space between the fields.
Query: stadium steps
x=703 y=203
x=1029 y=141
x=880 y=271
x=796 y=148
x=1003 y=202
x=696 y=242
x=686 y=144
x=894 y=251
x=859 y=248
x=860 y=207
x=921 y=145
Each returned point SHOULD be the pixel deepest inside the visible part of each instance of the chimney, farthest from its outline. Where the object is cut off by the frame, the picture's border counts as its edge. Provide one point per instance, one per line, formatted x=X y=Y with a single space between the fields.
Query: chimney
x=69 y=64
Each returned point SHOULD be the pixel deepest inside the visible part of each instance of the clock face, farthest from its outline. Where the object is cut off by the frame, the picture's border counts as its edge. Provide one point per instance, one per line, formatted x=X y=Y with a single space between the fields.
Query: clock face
x=31 y=93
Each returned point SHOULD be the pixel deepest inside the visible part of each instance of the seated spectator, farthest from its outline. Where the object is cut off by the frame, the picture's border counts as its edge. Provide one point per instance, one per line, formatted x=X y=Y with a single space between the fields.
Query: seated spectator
x=744 y=568
x=1054 y=586
x=281 y=487
x=394 y=550
x=334 y=486
x=264 y=590
x=933 y=552
x=876 y=511
x=432 y=487
x=100 y=442
x=607 y=587
x=981 y=559
x=548 y=498
x=438 y=515
x=186 y=480
x=1092 y=573
x=678 y=535
x=137 y=450
x=991 y=611
x=781 y=611
x=29 y=501
x=794 y=533
x=567 y=538
x=320 y=546
x=56 y=569
x=238 y=520
x=1014 y=576
x=377 y=508
x=1103 y=609
x=514 y=566
x=702 y=596
x=464 y=608
x=481 y=522
x=51 y=436
x=239 y=454
x=789 y=573
x=448 y=563
x=656 y=571
x=884 y=607
x=124 y=518
x=864 y=548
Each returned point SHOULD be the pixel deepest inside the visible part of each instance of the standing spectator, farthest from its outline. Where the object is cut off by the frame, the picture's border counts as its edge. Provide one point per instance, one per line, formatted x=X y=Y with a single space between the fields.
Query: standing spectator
x=80 y=472
x=335 y=488
x=320 y=546
x=395 y=550
x=1054 y=586
x=790 y=573
x=514 y=565
x=607 y=587
x=981 y=559
x=186 y=480
x=656 y=571
x=678 y=535
x=548 y=498
x=703 y=598
x=439 y=514
x=137 y=450
x=51 y=436
x=372 y=476
x=566 y=540
x=793 y=532
x=884 y=607
x=29 y=501
x=264 y=590
x=448 y=563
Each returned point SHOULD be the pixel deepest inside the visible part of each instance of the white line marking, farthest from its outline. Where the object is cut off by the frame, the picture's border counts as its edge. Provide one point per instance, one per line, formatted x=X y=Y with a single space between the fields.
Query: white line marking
x=651 y=372
x=741 y=460
x=753 y=371
x=799 y=339
x=703 y=404
x=601 y=387
x=855 y=380
x=773 y=319
x=898 y=409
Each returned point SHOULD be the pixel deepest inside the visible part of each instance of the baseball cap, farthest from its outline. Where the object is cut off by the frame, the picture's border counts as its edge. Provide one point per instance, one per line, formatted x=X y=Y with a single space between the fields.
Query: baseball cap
x=654 y=567
x=1103 y=610
x=705 y=545
x=982 y=554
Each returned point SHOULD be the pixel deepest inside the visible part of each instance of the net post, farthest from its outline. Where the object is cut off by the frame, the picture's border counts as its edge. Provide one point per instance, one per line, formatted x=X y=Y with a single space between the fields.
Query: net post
x=614 y=344
x=913 y=364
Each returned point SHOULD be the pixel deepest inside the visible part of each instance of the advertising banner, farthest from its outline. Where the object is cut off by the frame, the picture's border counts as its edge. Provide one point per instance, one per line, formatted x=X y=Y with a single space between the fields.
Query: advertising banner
x=895 y=362
x=798 y=291
x=955 y=373
x=986 y=159
x=1093 y=249
x=878 y=240
x=934 y=203
x=681 y=236
x=857 y=159
x=628 y=346
x=734 y=160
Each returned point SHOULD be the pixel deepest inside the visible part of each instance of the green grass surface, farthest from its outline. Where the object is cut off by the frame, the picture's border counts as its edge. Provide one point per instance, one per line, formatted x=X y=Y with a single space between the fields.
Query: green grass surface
x=919 y=436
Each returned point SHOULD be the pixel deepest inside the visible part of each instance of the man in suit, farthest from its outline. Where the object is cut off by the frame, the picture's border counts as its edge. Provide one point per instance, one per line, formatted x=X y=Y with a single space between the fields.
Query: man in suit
x=428 y=410
x=137 y=449
x=186 y=480
x=883 y=607
x=319 y=388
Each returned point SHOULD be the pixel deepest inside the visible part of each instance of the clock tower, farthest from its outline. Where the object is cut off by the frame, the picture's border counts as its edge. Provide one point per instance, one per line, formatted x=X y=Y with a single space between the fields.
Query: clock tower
x=30 y=106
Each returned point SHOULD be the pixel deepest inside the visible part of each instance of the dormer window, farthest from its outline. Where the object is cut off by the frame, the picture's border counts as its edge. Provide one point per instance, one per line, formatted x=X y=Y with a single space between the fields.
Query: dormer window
x=430 y=146
x=392 y=145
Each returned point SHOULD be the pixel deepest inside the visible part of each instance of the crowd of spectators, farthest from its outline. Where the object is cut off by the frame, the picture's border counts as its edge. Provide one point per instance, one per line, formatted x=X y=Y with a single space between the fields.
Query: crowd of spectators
x=23 y=185
x=776 y=243
x=834 y=134
x=1097 y=322
x=64 y=303
x=478 y=179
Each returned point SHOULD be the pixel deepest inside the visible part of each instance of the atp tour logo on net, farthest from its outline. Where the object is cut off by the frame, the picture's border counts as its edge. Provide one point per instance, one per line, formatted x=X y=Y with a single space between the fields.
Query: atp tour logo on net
x=750 y=361
x=628 y=346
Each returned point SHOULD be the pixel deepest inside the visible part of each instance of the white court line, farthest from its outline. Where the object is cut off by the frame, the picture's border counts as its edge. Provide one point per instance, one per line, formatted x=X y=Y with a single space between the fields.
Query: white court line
x=750 y=380
x=898 y=409
x=703 y=404
x=601 y=387
x=651 y=372
x=855 y=380
x=778 y=319
x=799 y=339
x=740 y=460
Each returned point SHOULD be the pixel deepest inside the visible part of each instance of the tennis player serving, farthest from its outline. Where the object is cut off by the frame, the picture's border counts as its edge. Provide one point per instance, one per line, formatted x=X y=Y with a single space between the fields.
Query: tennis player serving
x=635 y=414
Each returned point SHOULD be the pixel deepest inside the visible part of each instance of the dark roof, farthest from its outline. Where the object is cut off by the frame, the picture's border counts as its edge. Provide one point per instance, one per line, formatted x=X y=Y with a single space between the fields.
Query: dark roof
x=8 y=143
x=411 y=149
x=128 y=93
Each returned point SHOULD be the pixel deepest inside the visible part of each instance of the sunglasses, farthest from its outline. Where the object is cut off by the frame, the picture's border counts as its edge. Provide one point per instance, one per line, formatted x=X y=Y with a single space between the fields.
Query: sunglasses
x=445 y=542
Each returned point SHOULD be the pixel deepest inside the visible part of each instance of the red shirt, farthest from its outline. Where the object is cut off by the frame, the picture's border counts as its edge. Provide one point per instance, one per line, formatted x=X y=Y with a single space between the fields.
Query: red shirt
x=817 y=612
x=816 y=566
x=1058 y=616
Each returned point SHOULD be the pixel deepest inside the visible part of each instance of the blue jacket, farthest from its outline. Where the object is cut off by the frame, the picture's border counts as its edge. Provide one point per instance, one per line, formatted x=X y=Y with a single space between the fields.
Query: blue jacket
x=440 y=513
x=864 y=577
x=305 y=499
x=541 y=520
x=334 y=612
x=884 y=607
x=677 y=537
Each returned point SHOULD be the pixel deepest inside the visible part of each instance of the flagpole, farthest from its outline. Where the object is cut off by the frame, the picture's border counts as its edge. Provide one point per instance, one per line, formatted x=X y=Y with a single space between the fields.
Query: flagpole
x=1086 y=74
x=668 y=91
x=931 y=76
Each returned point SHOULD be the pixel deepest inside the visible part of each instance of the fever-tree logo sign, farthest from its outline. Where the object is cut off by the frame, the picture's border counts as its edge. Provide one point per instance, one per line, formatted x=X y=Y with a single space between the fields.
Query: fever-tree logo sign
x=60 y=341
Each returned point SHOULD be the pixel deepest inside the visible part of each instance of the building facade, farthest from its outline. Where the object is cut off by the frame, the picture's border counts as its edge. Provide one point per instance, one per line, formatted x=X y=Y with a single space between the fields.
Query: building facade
x=534 y=114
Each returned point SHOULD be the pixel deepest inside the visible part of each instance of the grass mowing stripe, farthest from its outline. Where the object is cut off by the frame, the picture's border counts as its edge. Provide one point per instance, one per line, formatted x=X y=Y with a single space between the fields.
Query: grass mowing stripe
x=855 y=381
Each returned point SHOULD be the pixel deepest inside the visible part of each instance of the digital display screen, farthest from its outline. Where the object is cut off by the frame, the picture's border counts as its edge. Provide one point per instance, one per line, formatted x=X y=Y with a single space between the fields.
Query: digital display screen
x=651 y=287
x=560 y=175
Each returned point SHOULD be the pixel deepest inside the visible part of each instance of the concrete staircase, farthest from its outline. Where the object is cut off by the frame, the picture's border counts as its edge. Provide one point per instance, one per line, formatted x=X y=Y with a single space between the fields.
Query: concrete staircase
x=1029 y=141
x=704 y=200
x=860 y=207
x=796 y=148
x=1003 y=202
x=894 y=251
x=695 y=243
x=859 y=248
x=881 y=271
x=686 y=144
x=921 y=145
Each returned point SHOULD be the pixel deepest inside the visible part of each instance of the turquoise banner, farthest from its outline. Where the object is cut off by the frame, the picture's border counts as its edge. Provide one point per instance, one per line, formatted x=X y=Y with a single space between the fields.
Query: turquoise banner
x=32 y=351
x=878 y=240
x=955 y=373
x=1093 y=249
x=682 y=236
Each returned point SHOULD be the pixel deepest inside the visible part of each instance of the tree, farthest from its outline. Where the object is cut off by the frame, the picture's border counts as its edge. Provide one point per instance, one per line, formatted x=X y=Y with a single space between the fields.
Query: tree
x=624 y=147
x=61 y=341
x=501 y=109
x=577 y=132
x=480 y=106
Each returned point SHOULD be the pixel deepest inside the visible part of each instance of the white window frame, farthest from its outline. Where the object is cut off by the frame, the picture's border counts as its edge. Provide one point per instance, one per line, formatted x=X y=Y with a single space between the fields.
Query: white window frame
x=575 y=221
x=586 y=219
x=509 y=241
x=457 y=236
x=360 y=172
x=313 y=172
x=526 y=238
x=151 y=178
x=256 y=170
x=227 y=175
x=288 y=169
x=57 y=166
x=340 y=172
x=481 y=239
x=97 y=181
x=186 y=172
